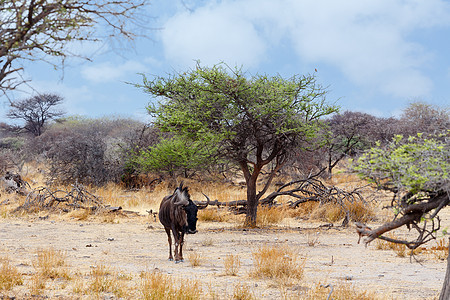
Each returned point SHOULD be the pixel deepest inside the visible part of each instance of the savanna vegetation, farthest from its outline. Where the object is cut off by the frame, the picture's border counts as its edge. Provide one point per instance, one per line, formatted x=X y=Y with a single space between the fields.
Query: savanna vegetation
x=114 y=170
x=274 y=153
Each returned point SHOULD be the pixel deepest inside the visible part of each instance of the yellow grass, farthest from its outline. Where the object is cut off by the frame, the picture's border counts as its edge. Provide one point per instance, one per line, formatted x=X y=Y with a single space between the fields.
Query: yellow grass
x=242 y=292
x=195 y=259
x=232 y=263
x=277 y=262
x=51 y=264
x=212 y=215
x=270 y=215
x=333 y=212
x=341 y=291
x=158 y=286
x=9 y=275
x=400 y=249
x=104 y=280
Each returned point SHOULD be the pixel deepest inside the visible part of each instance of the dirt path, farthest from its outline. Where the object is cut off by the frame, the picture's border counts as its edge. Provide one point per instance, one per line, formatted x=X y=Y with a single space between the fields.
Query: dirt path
x=133 y=246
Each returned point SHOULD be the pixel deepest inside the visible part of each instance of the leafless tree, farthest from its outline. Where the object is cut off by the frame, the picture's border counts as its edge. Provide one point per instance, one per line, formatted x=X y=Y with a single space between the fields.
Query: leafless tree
x=41 y=30
x=90 y=151
x=349 y=132
x=36 y=112
x=421 y=117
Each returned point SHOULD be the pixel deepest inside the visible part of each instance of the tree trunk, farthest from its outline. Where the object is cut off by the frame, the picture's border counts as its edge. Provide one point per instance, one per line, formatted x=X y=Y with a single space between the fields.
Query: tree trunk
x=445 y=292
x=252 y=204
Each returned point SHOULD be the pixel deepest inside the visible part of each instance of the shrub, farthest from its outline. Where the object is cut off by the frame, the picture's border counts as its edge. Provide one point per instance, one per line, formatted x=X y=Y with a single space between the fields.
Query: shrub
x=277 y=263
x=232 y=263
x=194 y=259
x=242 y=292
x=9 y=275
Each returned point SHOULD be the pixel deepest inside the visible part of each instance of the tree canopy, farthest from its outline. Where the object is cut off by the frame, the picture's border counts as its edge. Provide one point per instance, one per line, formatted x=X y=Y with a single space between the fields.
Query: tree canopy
x=252 y=121
x=44 y=29
x=36 y=111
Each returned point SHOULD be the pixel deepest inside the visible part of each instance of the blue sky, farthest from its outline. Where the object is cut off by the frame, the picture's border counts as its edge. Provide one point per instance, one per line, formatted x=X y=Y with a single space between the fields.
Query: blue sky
x=373 y=56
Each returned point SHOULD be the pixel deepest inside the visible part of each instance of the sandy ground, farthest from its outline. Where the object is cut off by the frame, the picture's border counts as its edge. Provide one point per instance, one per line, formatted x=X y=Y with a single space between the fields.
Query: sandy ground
x=139 y=244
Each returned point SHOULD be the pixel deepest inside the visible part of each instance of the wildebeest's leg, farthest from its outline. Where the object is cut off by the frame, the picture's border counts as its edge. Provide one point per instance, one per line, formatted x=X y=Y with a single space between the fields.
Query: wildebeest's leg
x=181 y=246
x=176 y=236
x=170 y=242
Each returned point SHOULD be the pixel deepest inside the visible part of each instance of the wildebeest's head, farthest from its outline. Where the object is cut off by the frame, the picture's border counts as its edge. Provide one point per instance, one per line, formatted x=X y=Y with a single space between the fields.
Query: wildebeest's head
x=191 y=212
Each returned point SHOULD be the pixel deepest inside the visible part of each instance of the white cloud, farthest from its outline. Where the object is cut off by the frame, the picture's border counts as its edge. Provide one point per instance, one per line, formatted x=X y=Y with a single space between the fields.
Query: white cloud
x=370 y=42
x=107 y=72
x=213 y=33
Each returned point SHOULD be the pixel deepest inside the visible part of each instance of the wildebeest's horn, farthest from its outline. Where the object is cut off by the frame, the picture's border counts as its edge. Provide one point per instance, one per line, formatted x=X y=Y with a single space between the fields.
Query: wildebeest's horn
x=206 y=205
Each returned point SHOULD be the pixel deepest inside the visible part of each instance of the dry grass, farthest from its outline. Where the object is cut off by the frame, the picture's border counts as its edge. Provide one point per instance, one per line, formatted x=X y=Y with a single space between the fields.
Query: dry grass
x=105 y=280
x=195 y=259
x=212 y=215
x=341 y=291
x=439 y=250
x=312 y=239
x=80 y=214
x=232 y=264
x=279 y=263
x=207 y=242
x=333 y=212
x=270 y=215
x=242 y=292
x=304 y=210
x=400 y=249
x=158 y=286
x=9 y=275
x=360 y=211
x=51 y=264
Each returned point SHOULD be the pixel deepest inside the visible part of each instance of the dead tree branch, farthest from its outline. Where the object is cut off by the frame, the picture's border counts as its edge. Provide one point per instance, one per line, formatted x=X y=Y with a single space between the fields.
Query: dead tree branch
x=42 y=198
x=419 y=216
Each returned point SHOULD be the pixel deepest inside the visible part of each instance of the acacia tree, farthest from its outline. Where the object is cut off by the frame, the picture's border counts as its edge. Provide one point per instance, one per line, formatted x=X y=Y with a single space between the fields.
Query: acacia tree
x=254 y=122
x=34 y=30
x=36 y=112
x=417 y=171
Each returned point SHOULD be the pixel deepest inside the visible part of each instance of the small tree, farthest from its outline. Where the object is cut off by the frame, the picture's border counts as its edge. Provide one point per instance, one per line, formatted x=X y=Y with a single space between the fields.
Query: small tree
x=417 y=171
x=421 y=117
x=44 y=29
x=348 y=133
x=36 y=112
x=254 y=122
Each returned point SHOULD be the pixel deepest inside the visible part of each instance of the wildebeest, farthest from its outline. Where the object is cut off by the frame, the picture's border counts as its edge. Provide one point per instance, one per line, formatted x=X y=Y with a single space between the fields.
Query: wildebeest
x=178 y=213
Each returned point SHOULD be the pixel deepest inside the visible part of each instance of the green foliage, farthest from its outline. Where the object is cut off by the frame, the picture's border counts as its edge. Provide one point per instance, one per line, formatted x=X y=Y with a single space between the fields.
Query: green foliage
x=174 y=155
x=415 y=164
x=240 y=113
x=13 y=143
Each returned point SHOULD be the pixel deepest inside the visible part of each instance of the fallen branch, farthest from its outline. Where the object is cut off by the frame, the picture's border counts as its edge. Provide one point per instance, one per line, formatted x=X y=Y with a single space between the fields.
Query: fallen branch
x=411 y=216
x=42 y=198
